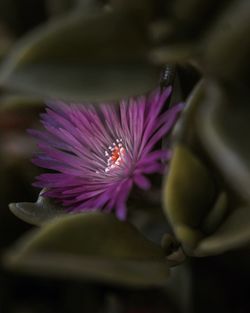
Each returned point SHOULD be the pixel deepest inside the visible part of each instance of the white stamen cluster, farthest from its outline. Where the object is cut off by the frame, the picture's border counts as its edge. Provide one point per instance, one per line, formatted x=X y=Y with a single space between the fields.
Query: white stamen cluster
x=114 y=155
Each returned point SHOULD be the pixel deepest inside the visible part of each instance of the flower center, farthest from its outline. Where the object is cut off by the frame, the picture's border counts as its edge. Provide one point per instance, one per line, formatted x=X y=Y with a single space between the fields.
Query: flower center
x=115 y=155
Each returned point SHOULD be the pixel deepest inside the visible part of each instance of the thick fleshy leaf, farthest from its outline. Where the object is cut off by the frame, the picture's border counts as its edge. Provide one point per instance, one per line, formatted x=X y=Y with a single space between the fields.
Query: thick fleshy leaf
x=191 y=237
x=229 y=31
x=185 y=131
x=233 y=233
x=37 y=213
x=216 y=214
x=92 y=246
x=224 y=124
x=99 y=57
x=189 y=189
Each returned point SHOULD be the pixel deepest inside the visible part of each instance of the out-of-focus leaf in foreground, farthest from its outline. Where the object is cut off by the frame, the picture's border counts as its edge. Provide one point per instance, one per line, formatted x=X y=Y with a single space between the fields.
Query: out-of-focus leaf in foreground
x=102 y=56
x=223 y=121
x=92 y=246
x=209 y=209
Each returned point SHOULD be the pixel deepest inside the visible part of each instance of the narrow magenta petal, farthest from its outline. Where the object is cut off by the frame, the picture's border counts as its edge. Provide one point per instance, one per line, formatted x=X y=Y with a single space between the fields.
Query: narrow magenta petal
x=142 y=182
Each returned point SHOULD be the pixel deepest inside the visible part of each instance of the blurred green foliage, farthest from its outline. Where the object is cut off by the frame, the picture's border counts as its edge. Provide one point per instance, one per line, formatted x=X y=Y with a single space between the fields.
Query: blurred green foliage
x=96 y=50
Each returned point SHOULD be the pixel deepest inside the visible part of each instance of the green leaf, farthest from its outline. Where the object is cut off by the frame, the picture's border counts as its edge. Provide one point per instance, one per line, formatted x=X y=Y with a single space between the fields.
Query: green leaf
x=216 y=215
x=223 y=121
x=80 y=58
x=189 y=237
x=92 y=246
x=233 y=233
x=229 y=31
x=37 y=213
x=189 y=189
x=186 y=130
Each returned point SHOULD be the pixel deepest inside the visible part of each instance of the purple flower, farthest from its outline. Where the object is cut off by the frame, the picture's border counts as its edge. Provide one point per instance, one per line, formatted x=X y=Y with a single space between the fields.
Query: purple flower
x=98 y=153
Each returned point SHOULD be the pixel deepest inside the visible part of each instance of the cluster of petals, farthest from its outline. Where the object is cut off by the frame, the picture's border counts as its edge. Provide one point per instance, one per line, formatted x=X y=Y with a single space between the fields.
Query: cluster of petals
x=95 y=154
